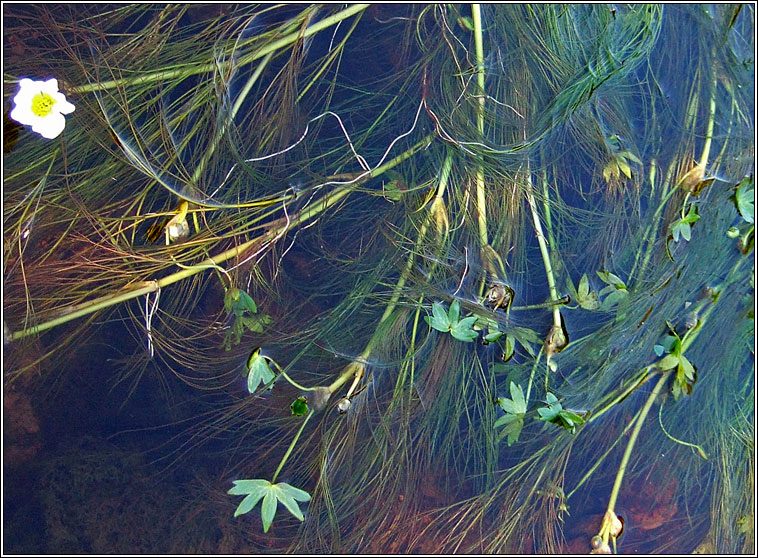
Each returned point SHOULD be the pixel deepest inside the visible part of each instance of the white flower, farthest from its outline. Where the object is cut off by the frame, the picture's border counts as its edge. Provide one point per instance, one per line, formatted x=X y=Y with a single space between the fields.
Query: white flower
x=40 y=105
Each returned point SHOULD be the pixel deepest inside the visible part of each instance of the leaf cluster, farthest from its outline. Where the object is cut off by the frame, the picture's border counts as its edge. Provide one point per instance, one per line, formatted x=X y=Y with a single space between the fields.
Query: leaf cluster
x=515 y=410
x=686 y=373
x=242 y=307
x=584 y=297
x=683 y=227
x=619 y=165
x=614 y=292
x=555 y=413
x=451 y=321
x=744 y=199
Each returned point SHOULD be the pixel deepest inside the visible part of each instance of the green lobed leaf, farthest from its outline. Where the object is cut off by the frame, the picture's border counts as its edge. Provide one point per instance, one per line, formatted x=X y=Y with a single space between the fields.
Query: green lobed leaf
x=464 y=334
x=573 y=418
x=692 y=217
x=439 y=319
x=613 y=299
x=463 y=331
x=676 y=229
x=513 y=426
x=493 y=336
x=624 y=167
x=288 y=495
x=744 y=196
x=514 y=406
x=686 y=231
x=513 y=420
x=605 y=290
x=271 y=493
x=584 y=287
x=254 y=323
x=254 y=489
x=509 y=349
x=686 y=367
x=668 y=362
x=268 y=508
x=245 y=303
x=454 y=313
x=466 y=323
x=517 y=396
x=611 y=279
x=551 y=412
x=631 y=156
x=293 y=492
x=258 y=371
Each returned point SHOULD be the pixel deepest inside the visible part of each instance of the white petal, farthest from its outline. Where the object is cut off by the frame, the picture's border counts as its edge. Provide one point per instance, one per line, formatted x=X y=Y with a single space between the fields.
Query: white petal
x=22 y=113
x=51 y=126
x=62 y=105
x=50 y=86
x=25 y=84
x=25 y=93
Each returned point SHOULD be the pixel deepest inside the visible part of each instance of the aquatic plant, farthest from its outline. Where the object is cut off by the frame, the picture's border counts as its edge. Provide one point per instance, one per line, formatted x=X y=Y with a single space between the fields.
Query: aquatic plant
x=330 y=180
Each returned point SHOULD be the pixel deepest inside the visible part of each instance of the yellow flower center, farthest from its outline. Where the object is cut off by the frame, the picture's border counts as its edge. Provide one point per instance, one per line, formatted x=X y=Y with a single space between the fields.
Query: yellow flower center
x=42 y=104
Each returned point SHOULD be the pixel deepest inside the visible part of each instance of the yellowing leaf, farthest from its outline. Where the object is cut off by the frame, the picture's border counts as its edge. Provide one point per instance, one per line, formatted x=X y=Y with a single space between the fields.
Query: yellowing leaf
x=624 y=167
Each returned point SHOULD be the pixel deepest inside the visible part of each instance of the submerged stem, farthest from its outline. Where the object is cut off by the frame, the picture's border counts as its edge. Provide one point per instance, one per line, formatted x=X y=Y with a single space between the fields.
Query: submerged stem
x=291 y=447
x=275 y=231
x=180 y=73
x=604 y=533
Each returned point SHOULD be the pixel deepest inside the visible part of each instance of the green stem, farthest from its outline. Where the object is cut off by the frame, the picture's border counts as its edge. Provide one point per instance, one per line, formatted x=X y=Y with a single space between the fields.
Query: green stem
x=633 y=439
x=291 y=447
x=677 y=440
x=546 y=206
x=481 y=201
x=709 y=127
x=356 y=368
x=641 y=377
x=600 y=460
x=531 y=376
x=705 y=154
x=544 y=251
x=290 y=380
x=164 y=75
x=79 y=310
